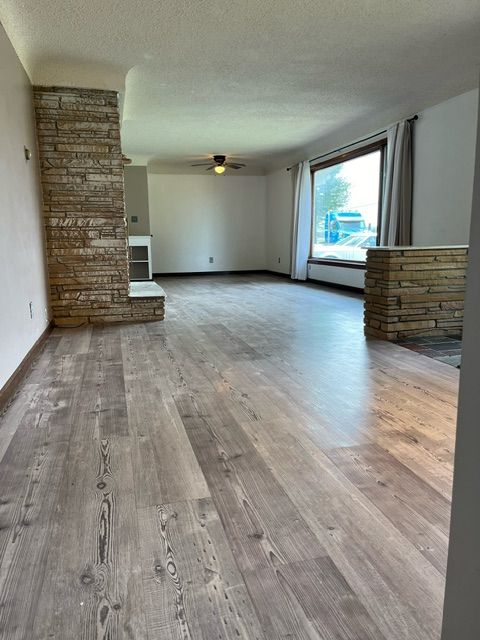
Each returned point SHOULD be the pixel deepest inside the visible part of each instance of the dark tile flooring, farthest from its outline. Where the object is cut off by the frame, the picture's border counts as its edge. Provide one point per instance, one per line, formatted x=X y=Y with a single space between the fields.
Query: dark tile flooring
x=443 y=348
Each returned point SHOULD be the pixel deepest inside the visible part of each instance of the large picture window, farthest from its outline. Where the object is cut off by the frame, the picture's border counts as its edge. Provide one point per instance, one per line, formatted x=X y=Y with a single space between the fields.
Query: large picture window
x=346 y=205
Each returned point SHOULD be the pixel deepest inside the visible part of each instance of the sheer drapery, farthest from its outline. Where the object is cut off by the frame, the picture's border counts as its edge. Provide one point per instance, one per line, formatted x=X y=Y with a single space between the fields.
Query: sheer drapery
x=302 y=219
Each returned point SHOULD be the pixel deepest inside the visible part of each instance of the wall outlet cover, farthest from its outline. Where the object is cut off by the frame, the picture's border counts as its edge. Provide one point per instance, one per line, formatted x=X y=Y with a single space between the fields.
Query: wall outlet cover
x=134 y=218
x=210 y=259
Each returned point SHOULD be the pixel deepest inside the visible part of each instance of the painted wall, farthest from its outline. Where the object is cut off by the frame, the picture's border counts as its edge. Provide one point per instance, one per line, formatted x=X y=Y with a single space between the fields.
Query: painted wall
x=279 y=220
x=337 y=275
x=444 y=158
x=443 y=181
x=461 y=615
x=136 y=200
x=194 y=217
x=22 y=263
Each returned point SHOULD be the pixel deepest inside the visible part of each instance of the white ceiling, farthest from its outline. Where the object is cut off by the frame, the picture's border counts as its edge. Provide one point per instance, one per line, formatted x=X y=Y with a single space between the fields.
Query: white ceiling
x=263 y=81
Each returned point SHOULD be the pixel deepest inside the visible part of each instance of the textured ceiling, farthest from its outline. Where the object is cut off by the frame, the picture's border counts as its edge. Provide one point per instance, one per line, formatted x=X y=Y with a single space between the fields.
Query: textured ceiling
x=262 y=81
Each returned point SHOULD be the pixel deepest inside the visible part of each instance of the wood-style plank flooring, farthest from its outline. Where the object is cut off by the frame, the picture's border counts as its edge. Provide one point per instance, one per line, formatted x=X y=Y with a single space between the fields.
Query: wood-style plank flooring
x=251 y=467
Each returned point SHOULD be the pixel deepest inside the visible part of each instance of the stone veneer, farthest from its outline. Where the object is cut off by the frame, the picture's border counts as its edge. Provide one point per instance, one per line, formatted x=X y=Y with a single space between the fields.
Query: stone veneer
x=84 y=208
x=412 y=291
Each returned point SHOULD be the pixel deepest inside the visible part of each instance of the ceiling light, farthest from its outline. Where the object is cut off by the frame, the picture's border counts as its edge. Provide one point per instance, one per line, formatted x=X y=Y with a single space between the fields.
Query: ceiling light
x=219 y=169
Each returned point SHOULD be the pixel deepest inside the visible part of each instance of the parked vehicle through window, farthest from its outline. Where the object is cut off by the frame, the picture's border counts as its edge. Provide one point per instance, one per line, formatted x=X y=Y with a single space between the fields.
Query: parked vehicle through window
x=346 y=205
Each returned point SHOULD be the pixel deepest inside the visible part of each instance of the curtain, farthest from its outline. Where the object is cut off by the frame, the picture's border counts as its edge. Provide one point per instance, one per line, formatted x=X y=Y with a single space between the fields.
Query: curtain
x=302 y=221
x=396 y=220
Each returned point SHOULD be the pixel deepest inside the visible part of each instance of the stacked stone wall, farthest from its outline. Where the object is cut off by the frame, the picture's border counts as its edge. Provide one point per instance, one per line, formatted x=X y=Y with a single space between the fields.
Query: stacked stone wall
x=84 y=208
x=414 y=291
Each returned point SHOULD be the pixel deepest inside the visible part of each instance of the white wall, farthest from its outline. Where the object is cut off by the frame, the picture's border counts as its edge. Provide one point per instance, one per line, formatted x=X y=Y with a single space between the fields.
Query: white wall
x=337 y=275
x=444 y=153
x=22 y=262
x=136 y=200
x=194 y=217
x=279 y=220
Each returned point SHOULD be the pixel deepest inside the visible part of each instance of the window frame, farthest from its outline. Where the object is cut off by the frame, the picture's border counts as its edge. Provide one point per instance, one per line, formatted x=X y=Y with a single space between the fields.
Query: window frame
x=378 y=145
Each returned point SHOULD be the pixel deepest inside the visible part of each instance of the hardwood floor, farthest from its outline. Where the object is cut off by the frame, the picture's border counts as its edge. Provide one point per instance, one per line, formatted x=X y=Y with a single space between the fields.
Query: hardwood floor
x=251 y=467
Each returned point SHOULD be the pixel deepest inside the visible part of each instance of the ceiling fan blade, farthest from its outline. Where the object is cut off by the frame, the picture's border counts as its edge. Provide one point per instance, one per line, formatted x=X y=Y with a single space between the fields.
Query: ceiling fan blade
x=201 y=164
x=234 y=165
x=211 y=167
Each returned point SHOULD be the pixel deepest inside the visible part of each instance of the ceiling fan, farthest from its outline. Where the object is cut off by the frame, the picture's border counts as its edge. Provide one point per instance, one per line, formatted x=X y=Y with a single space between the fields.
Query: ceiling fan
x=218 y=164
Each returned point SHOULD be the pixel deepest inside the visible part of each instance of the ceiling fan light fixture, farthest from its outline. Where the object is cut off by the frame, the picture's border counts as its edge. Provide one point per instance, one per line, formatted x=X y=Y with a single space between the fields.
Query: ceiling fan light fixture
x=219 y=169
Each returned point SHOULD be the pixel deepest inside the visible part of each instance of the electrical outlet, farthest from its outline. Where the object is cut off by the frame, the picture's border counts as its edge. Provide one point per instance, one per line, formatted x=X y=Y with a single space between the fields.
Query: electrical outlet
x=134 y=218
x=279 y=260
x=210 y=260
x=30 y=308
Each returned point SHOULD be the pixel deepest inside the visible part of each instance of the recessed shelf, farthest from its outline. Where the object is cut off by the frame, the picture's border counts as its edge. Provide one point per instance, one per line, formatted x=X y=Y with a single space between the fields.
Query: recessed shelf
x=140 y=261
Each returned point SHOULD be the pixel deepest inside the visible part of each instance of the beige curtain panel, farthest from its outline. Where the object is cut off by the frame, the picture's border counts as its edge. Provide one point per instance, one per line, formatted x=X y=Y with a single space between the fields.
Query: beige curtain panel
x=396 y=225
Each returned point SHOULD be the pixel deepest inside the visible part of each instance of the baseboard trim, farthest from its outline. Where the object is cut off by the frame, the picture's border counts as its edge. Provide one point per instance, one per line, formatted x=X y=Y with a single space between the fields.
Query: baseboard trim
x=265 y=272
x=279 y=274
x=210 y=273
x=335 y=285
x=10 y=387
x=223 y=273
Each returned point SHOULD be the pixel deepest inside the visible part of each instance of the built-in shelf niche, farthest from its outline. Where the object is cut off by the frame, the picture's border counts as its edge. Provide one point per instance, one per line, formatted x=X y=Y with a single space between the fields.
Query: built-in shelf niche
x=140 y=257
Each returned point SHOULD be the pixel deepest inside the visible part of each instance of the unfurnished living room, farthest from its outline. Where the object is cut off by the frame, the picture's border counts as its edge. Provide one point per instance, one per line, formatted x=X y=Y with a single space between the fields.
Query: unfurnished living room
x=239 y=322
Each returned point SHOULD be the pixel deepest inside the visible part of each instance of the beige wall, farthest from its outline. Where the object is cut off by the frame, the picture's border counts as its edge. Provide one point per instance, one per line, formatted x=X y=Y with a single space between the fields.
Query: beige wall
x=136 y=200
x=279 y=220
x=443 y=161
x=22 y=262
x=194 y=217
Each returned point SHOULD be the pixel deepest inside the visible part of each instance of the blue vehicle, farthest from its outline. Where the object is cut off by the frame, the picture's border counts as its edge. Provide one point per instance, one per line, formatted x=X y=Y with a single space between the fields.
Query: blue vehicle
x=341 y=224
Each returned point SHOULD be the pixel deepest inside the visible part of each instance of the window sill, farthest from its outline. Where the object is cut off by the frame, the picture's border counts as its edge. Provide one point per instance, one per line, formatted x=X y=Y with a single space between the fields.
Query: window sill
x=332 y=262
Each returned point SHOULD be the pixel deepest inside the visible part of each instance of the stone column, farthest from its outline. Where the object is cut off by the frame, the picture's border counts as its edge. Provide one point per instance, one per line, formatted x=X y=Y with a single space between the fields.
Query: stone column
x=84 y=208
x=414 y=291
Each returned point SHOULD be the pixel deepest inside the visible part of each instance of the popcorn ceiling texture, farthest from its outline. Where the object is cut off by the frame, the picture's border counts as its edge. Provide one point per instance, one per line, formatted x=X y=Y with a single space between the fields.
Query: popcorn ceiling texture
x=415 y=292
x=83 y=194
x=270 y=82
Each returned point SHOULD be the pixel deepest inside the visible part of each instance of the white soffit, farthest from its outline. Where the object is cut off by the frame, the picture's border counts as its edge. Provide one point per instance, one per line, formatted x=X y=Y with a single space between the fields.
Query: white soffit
x=259 y=81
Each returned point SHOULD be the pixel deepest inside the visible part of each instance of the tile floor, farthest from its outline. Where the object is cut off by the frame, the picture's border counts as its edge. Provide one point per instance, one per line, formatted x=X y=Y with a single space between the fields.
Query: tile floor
x=447 y=349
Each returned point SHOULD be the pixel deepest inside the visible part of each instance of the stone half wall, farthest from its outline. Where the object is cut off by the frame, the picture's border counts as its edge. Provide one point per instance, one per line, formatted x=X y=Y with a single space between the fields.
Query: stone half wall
x=414 y=291
x=84 y=208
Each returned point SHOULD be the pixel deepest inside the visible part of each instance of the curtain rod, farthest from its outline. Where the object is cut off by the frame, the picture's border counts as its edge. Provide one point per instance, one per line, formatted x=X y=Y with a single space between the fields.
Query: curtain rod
x=352 y=144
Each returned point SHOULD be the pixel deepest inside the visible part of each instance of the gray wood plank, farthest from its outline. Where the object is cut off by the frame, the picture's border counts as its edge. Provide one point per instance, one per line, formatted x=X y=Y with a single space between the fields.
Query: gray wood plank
x=74 y=341
x=260 y=520
x=417 y=510
x=56 y=400
x=12 y=416
x=92 y=587
x=101 y=409
x=193 y=588
x=30 y=477
x=309 y=599
x=389 y=578
x=164 y=465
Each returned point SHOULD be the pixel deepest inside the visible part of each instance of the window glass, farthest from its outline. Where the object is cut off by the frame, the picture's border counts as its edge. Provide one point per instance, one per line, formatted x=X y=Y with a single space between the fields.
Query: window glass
x=345 y=208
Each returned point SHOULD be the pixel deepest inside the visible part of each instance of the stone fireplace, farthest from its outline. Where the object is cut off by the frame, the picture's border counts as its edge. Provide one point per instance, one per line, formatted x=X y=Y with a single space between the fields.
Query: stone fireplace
x=84 y=208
